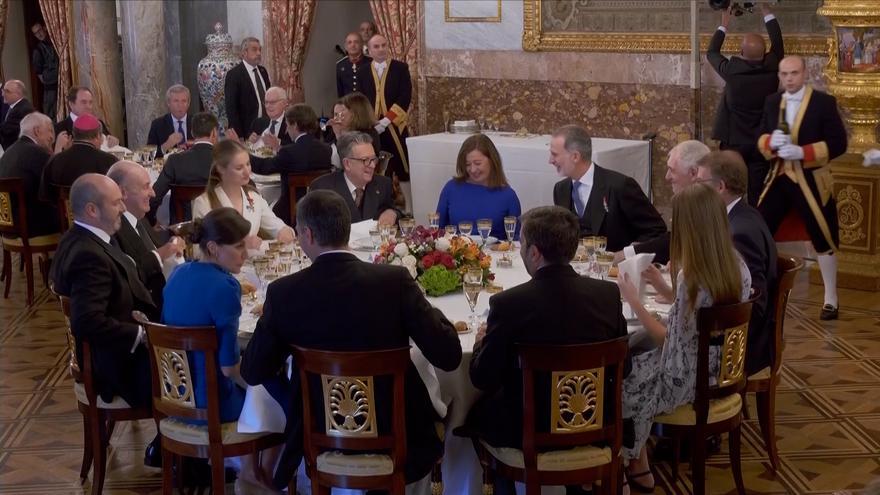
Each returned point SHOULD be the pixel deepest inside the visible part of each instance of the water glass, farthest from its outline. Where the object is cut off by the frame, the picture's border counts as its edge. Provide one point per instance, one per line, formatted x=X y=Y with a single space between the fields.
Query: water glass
x=484 y=227
x=406 y=226
x=601 y=243
x=604 y=260
x=589 y=244
x=465 y=227
x=450 y=230
x=434 y=221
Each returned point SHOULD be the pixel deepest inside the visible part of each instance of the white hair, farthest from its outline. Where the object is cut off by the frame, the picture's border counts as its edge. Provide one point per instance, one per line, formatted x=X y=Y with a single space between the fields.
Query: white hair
x=122 y=170
x=276 y=89
x=31 y=122
x=244 y=42
x=689 y=153
x=175 y=89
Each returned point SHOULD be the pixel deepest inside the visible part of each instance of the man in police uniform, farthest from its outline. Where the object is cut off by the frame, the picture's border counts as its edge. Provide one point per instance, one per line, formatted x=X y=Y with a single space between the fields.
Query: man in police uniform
x=353 y=70
x=802 y=133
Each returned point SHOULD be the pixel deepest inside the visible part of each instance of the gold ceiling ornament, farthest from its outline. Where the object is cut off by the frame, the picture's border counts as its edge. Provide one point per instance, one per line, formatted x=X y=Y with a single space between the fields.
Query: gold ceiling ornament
x=535 y=39
x=853 y=69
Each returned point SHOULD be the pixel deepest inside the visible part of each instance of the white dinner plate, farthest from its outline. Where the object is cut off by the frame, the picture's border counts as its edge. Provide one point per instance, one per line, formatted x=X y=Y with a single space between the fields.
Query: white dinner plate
x=479 y=240
x=266 y=179
x=362 y=244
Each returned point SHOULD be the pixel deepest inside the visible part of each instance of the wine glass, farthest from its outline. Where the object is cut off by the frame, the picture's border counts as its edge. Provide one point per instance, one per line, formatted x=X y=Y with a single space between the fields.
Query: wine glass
x=392 y=233
x=604 y=260
x=601 y=243
x=484 y=227
x=375 y=240
x=384 y=233
x=406 y=226
x=510 y=230
x=473 y=284
x=434 y=221
x=589 y=243
x=450 y=230
x=465 y=227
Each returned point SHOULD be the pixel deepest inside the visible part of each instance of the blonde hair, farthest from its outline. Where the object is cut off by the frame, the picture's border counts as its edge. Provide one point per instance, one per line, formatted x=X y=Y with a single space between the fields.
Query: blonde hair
x=224 y=152
x=701 y=246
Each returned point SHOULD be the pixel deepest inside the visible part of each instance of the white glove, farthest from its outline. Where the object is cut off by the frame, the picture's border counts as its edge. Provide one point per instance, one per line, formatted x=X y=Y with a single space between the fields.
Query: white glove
x=791 y=152
x=382 y=125
x=779 y=139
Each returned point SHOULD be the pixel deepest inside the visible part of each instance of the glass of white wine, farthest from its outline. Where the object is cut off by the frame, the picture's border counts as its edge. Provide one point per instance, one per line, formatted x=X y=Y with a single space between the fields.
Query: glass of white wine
x=510 y=230
x=484 y=227
x=473 y=284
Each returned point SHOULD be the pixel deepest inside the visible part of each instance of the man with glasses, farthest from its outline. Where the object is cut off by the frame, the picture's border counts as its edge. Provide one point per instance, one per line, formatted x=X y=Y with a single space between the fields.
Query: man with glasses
x=367 y=195
x=271 y=129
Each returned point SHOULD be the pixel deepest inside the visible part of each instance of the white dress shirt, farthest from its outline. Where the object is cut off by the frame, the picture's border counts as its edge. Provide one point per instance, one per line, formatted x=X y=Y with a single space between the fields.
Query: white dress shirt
x=732 y=204
x=256 y=211
x=250 y=70
x=793 y=105
x=586 y=188
x=182 y=120
x=351 y=187
x=380 y=68
x=277 y=122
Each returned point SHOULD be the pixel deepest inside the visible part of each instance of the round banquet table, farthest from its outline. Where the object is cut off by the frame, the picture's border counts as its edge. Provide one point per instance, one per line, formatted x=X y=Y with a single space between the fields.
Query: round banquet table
x=452 y=392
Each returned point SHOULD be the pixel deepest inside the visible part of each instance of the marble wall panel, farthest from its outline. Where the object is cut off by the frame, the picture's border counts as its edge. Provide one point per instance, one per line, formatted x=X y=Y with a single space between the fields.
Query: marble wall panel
x=504 y=35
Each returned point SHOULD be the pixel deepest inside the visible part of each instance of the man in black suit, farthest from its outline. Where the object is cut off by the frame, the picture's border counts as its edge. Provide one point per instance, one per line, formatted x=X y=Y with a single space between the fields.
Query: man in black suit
x=341 y=303
x=104 y=288
x=190 y=167
x=555 y=307
x=174 y=127
x=245 y=88
x=726 y=170
x=353 y=70
x=26 y=159
x=303 y=154
x=271 y=128
x=80 y=102
x=135 y=236
x=19 y=106
x=800 y=182
x=82 y=157
x=367 y=195
x=749 y=79
x=45 y=64
x=608 y=203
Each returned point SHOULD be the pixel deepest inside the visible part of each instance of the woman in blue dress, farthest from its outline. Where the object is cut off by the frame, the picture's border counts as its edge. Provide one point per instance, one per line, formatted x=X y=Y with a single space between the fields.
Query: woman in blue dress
x=479 y=188
x=205 y=292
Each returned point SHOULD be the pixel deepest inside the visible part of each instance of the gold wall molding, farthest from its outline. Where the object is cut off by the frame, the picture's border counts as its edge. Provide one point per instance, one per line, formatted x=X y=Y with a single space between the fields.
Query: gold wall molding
x=448 y=17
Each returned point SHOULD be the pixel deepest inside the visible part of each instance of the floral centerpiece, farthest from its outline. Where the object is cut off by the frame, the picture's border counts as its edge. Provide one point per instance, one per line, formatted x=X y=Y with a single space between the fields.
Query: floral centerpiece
x=436 y=261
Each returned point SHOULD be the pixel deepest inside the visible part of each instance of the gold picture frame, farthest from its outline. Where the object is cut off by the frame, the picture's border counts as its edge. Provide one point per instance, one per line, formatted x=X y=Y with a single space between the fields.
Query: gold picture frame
x=535 y=39
x=447 y=14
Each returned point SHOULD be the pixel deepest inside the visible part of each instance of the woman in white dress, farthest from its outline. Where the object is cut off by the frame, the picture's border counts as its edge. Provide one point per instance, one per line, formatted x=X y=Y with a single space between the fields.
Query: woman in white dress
x=229 y=185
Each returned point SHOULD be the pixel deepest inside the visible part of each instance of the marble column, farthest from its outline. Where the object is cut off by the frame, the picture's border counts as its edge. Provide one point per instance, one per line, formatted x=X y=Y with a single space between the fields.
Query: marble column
x=144 y=64
x=98 y=59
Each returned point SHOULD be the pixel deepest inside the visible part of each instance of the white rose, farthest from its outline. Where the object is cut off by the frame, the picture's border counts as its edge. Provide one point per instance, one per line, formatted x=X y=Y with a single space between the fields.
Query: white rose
x=442 y=244
x=396 y=262
x=412 y=271
x=409 y=261
x=400 y=249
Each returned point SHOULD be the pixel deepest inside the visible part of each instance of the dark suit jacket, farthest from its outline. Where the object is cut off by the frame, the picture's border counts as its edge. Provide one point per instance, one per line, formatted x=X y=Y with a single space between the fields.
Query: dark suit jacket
x=306 y=154
x=65 y=167
x=66 y=125
x=11 y=127
x=617 y=209
x=242 y=103
x=261 y=123
x=190 y=167
x=27 y=159
x=104 y=288
x=556 y=307
x=747 y=85
x=148 y=268
x=165 y=126
x=343 y=304
x=755 y=244
x=378 y=196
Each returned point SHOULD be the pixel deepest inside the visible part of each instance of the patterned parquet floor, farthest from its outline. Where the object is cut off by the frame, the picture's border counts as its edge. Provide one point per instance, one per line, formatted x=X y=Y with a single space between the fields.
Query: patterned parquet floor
x=828 y=409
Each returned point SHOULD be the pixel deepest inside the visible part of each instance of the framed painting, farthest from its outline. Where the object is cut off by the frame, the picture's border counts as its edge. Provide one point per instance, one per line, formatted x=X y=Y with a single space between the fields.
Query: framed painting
x=472 y=10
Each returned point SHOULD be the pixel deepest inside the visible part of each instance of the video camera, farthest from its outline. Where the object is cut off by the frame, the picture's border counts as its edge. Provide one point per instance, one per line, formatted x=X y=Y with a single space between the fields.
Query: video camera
x=738 y=9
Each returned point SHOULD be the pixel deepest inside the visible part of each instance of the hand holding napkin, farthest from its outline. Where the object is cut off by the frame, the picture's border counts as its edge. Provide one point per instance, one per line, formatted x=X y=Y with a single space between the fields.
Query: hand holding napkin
x=633 y=268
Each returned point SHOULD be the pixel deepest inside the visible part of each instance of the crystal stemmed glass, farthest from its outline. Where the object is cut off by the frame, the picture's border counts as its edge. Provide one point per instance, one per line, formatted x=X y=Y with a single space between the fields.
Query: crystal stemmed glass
x=465 y=227
x=604 y=260
x=434 y=221
x=375 y=240
x=484 y=227
x=509 y=229
x=384 y=233
x=473 y=284
x=406 y=226
x=450 y=230
x=601 y=243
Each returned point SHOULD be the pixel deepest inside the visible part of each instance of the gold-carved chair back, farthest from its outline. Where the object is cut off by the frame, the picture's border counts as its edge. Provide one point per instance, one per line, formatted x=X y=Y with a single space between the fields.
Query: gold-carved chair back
x=176 y=384
x=576 y=400
x=733 y=355
x=6 y=218
x=349 y=406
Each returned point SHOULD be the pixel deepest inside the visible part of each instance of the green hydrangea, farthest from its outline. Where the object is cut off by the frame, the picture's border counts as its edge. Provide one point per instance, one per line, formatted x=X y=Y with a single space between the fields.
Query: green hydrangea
x=437 y=280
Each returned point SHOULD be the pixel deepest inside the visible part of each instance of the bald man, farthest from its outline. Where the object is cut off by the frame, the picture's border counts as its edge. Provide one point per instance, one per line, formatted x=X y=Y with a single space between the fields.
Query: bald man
x=799 y=183
x=19 y=106
x=750 y=78
x=271 y=128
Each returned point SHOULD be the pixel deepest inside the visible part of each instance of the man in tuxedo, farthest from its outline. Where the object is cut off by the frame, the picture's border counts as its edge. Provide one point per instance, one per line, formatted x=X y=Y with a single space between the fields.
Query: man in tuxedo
x=82 y=157
x=26 y=159
x=19 y=106
x=45 y=64
x=272 y=128
x=681 y=164
x=245 y=88
x=173 y=128
x=80 y=102
x=191 y=167
x=799 y=182
x=135 y=236
x=555 y=307
x=726 y=171
x=390 y=94
x=104 y=288
x=367 y=195
x=305 y=153
x=352 y=65
x=341 y=303
x=749 y=79
x=607 y=203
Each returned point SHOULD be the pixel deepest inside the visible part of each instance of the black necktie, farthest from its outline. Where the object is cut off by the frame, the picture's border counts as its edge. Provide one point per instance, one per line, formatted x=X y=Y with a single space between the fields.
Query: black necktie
x=261 y=91
x=145 y=236
x=272 y=128
x=180 y=129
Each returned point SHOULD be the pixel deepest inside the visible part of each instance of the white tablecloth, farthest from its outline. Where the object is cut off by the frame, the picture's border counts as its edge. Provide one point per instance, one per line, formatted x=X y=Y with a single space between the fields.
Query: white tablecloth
x=525 y=160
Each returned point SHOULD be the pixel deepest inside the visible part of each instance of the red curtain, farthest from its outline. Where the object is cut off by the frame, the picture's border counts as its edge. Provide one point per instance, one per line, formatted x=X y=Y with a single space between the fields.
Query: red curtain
x=288 y=23
x=398 y=21
x=4 y=6
x=59 y=24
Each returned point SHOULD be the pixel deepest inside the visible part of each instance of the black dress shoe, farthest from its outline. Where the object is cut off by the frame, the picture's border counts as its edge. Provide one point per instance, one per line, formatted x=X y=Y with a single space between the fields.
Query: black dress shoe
x=153 y=454
x=828 y=312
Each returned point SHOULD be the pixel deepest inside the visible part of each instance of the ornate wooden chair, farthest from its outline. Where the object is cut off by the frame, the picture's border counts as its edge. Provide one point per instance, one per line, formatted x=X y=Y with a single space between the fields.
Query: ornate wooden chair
x=717 y=408
x=181 y=200
x=583 y=441
x=99 y=417
x=15 y=237
x=65 y=213
x=299 y=182
x=372 y=459
x=764 y=382
x=175 y=407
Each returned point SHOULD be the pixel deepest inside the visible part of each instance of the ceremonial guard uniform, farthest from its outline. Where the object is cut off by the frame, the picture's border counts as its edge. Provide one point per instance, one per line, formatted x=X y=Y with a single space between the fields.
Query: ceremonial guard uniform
x=391 y=99
x=354 y=76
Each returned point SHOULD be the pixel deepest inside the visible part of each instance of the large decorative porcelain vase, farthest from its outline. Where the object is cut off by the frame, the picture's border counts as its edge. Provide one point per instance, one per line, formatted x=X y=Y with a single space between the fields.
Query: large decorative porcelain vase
x=212 y=72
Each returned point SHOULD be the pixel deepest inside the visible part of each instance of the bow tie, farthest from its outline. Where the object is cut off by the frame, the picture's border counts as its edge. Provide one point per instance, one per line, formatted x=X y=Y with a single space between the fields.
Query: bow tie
x=378 y=65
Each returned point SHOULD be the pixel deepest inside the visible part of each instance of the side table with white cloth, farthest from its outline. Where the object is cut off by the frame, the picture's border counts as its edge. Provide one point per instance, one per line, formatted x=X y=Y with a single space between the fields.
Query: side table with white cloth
x=525 y=161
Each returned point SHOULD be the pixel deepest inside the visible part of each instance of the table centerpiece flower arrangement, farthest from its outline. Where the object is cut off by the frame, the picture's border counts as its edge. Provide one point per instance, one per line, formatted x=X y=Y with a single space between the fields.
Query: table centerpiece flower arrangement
x=435 y=260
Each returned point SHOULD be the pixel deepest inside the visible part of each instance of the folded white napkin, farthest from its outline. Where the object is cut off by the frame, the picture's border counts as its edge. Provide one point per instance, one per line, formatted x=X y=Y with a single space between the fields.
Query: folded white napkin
x=361 y=230
x=634 y=266
x=261 y=413
x=429 y=377
x=872 y=157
